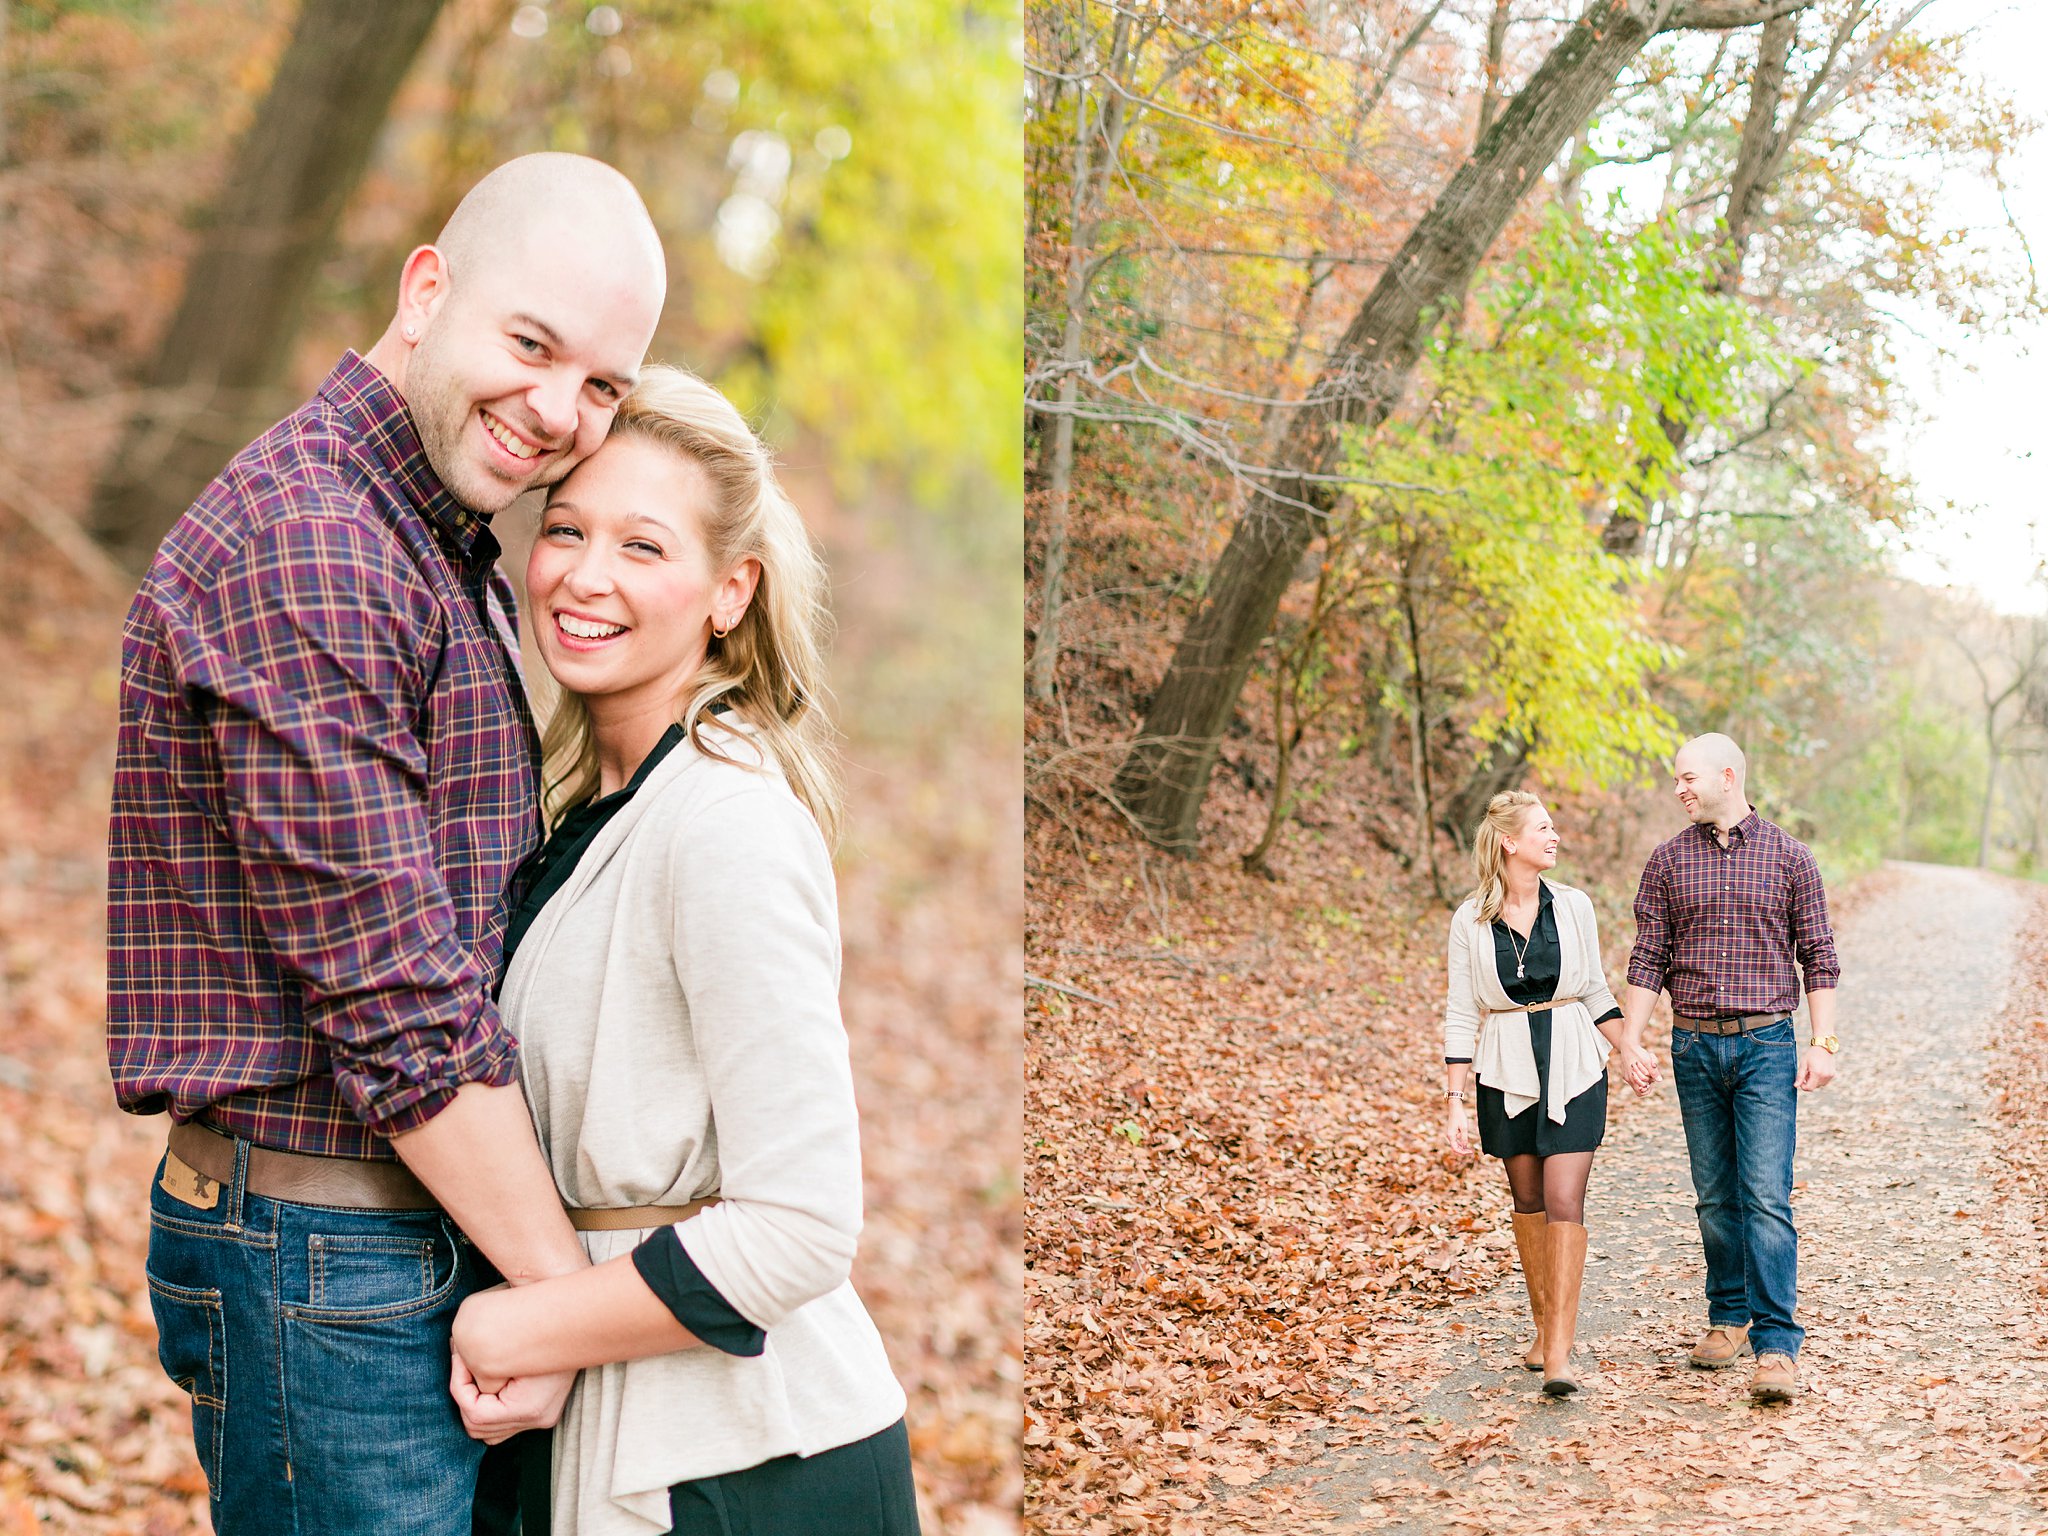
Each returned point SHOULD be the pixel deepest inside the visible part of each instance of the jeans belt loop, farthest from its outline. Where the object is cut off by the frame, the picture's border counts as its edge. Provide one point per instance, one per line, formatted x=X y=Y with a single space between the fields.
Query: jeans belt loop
x=238 y=1185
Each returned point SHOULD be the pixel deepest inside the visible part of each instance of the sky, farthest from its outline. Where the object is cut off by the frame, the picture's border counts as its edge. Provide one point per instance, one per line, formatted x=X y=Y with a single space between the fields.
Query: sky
x=1973 y=406
x=1977 y=449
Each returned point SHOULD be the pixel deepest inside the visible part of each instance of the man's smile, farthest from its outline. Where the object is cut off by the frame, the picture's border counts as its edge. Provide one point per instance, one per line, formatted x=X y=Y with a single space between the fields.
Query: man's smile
x=520 y=448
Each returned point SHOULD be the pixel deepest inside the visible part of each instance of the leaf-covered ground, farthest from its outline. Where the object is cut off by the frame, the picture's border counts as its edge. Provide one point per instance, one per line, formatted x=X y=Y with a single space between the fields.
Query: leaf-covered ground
x=1238 y=1208
x=94 y=1439
x=1261 y=1299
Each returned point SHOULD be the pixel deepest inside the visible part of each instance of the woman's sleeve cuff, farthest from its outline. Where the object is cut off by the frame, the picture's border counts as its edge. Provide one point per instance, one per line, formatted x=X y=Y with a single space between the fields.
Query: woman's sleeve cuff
x=673 y=1276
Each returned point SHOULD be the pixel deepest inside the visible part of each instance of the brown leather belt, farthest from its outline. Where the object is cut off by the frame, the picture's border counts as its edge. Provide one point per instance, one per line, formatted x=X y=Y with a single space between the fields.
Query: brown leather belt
x=1732 y=1024
x=298 y=1177
x=202 y=1160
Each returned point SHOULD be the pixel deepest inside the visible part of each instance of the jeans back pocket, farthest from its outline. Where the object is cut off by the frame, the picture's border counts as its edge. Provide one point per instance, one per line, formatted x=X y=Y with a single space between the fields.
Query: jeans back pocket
x=192 y=1346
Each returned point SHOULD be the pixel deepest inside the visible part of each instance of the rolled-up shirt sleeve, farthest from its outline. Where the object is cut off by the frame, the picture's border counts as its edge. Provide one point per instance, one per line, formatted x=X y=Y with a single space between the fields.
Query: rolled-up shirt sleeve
x=306 y=662
x=1649 y=962
x=756 y=941
x=1813 y=940
x=674 y=1277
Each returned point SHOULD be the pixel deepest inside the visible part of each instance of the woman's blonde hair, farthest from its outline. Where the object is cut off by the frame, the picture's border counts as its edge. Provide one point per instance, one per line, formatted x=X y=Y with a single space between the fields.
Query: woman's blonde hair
x=768 y=671
x=1503 y=820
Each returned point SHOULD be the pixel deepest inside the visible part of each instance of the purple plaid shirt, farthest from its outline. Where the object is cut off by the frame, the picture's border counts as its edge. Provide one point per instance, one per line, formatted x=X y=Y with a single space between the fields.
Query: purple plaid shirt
x=326 y=774
x=1723 y=927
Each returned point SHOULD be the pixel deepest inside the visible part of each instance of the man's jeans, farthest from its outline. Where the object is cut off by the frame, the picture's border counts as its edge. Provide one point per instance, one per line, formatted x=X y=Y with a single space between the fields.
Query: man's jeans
x=314 y=1342
x=1741 y=1110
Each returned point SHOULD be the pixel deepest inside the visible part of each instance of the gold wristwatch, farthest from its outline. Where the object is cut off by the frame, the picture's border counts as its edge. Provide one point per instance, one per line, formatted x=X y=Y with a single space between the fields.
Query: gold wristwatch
x=1827 y=1043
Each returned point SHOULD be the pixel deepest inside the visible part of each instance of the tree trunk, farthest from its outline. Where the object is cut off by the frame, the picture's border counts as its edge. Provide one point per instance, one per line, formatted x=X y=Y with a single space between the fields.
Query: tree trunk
x=1163 y=780
x=1290 y=667
x=1757 y=160
x=1045 y=654
x=1506 y=761
x=1496 y=56
x=1284 y=743
x=214 y=383
x=1990 y=797
x=1418 y=743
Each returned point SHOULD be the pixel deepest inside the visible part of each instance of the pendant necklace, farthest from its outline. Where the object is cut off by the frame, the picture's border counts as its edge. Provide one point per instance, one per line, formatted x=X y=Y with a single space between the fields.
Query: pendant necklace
x=1521 y=950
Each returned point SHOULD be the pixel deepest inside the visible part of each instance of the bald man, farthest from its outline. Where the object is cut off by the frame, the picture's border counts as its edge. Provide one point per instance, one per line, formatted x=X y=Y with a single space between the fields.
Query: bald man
x=1731 y=915
x=326 y=775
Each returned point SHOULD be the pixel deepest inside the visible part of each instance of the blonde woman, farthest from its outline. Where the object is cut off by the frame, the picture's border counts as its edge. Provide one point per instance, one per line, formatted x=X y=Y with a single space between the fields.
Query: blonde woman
x=673 y=981
x=1529 y=1016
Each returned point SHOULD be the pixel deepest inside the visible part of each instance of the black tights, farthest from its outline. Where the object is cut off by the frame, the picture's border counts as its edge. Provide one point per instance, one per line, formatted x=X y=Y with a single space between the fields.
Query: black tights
x=1554 y=1185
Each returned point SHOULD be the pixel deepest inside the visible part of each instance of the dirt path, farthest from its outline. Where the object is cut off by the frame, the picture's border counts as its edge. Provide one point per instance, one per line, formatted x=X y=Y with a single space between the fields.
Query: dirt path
x=1915 y=1289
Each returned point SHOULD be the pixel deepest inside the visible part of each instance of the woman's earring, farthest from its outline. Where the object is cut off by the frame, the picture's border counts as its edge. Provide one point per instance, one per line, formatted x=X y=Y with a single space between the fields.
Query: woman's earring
x=720 y=634
x=411 y=331
x=1511 y=848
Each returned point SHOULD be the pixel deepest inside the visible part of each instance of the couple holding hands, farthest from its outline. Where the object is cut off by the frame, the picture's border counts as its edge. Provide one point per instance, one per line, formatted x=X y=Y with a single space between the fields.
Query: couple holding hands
x=411 y=1045
x=1731 y=918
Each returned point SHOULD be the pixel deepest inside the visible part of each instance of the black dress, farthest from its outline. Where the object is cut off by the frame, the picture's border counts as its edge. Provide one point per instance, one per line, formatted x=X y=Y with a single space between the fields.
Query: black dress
x=863 y=1487
x=1533 y=1131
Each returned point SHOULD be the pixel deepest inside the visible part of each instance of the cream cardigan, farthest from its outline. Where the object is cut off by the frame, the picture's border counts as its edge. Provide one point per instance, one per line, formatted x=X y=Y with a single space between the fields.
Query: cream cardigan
x=677 y=1009
x=1501 y=1054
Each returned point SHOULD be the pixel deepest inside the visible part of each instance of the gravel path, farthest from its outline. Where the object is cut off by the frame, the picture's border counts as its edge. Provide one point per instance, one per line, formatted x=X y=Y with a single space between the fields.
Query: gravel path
x=1915 y=1288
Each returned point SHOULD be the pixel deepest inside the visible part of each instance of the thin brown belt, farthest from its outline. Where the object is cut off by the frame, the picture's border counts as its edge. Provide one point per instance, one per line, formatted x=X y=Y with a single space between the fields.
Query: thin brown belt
x=1733 y=1024
x=632 y=1218
x=1555 y=1002
x=202 y=1160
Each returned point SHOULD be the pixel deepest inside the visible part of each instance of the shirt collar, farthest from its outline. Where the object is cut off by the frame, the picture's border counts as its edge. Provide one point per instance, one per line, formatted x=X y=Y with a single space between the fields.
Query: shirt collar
x=1738 y=834
x=377 y=416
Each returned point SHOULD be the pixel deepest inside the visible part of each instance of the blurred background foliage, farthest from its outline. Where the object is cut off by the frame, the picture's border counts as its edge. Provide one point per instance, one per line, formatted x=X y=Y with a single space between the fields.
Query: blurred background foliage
x=850 y=154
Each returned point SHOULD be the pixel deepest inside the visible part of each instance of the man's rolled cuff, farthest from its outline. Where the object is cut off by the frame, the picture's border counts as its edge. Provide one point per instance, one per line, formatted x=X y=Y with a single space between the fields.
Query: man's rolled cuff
x=1649 y=979
x=393 y=1098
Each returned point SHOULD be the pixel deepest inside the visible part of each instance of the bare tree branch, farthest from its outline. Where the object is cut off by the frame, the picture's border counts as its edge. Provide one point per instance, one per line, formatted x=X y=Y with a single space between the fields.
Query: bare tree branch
x=1724 y=15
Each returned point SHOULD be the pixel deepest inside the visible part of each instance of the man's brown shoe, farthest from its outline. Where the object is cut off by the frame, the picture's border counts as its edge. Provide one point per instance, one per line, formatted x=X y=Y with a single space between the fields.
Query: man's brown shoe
x=1720 y=1347
x=1777 y=1378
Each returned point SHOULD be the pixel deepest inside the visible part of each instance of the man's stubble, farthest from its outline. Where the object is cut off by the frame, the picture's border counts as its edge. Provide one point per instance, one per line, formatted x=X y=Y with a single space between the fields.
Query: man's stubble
x=441 y=407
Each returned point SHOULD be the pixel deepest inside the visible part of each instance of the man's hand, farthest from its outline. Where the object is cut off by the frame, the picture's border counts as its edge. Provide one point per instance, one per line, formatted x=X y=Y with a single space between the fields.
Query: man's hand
x=523 y=1402
x=1639 y=1067
x=1816 y=1069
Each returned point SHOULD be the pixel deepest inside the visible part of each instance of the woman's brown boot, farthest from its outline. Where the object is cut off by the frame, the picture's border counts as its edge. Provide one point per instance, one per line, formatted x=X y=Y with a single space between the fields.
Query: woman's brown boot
x=1534 y=1249
x=1567 y=1273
